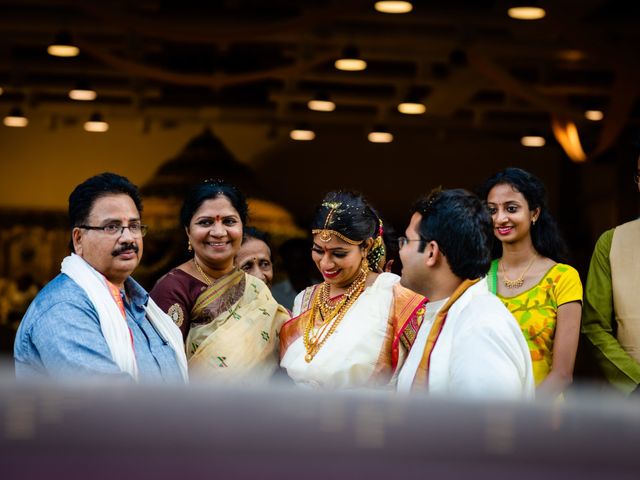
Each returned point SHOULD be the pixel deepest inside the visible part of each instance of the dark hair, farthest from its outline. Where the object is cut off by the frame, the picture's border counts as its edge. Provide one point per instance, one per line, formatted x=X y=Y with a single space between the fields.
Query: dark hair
x=460 y=224
x=252 y=232
x=353 y=217
x=545 y=234
x=390 y=239
x=84 y=196
x=208 y=190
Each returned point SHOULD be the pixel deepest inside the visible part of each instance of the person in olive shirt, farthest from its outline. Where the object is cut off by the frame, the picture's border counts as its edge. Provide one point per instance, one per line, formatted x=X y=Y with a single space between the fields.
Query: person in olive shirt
x=611 y=312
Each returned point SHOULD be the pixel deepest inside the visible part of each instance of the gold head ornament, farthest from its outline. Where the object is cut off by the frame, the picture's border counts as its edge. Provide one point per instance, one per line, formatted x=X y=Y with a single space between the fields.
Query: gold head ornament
x=327 y=233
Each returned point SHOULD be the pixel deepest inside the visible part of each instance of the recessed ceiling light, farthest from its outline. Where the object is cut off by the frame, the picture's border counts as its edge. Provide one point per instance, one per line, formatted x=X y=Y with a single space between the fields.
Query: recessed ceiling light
x=351 y=64
x=526 y=13
x=380 y=134
x=350 y=60
x=302 y=133
x=412 y=108
x=321 y=103
x=96 y=124
x=16 y=118
x=62 y=46
x=83 y=92
x=393 y=7
x=594 y=115
x=533 y=141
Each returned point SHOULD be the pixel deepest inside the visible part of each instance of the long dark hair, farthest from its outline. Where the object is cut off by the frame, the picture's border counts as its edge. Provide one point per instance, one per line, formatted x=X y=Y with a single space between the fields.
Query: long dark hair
x=353 y=217
x=545 y=234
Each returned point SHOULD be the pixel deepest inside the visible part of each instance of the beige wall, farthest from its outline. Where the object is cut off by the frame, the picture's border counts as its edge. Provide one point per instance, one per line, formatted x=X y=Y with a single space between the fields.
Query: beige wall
x=40 y=166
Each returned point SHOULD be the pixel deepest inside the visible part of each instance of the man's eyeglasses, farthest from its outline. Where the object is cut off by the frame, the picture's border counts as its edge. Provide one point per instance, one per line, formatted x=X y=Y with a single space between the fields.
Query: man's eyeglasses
x=402 y=241
x=115 y=229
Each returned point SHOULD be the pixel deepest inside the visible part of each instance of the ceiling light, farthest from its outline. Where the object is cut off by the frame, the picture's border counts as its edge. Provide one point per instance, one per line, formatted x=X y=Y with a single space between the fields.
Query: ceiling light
x=83 y=92
x=302 y=133
x=594 y=115
x=16 y=118
x=412 y=103
x=63 y=46
x=321 y=103
x=533 y=141
x=526 y=12
x=1 y=91
x=96 y=124
x=412 y=108
x=393 y=7
x=380 y=134
x=350 y=60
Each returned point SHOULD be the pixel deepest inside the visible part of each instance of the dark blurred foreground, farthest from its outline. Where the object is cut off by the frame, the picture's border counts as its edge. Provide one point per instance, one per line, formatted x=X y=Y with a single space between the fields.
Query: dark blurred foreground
x=105 y=432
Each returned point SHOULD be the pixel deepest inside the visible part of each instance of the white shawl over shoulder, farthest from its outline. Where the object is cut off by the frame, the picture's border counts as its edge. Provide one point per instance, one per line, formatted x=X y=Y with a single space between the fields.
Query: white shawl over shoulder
x=113 y=326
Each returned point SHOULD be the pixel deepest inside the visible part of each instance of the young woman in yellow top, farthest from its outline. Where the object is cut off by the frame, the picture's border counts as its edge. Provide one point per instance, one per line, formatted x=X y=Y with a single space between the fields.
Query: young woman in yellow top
x=542 y=293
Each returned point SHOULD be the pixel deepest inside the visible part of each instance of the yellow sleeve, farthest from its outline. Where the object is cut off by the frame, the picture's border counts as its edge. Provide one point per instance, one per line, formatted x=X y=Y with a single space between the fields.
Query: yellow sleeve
x=568 y=287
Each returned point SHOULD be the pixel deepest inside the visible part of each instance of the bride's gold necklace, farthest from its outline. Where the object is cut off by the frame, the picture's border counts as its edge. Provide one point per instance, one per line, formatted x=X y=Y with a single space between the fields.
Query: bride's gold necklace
x=330 y=314
x=207 y=280
x=329 y=307
x=518 y=282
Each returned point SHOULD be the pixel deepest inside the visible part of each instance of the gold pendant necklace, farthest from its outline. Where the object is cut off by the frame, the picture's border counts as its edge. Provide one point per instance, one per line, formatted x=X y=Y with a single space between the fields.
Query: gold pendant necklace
x=518 y=282
x=313 y=340
x=207 y=280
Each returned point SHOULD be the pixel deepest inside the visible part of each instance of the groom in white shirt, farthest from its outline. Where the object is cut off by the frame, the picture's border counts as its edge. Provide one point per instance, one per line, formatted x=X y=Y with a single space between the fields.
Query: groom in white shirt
x=467 y=343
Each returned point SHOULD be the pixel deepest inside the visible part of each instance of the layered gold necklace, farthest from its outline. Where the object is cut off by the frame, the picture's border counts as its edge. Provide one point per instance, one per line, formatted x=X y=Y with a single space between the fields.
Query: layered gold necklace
x=330 y=312
x=518 y=282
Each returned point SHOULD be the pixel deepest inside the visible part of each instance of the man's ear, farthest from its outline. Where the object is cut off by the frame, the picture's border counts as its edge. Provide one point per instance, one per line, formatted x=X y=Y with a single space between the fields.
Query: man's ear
x=432 y=253
x=76 y=237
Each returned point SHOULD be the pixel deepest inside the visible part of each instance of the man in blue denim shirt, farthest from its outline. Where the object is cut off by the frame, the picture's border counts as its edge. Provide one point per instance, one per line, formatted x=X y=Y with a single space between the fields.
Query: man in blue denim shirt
x=93 y=318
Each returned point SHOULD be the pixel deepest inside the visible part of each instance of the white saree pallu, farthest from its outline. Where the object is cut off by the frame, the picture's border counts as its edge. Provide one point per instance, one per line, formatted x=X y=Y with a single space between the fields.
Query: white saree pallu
x=114 y=327
x=357 y=351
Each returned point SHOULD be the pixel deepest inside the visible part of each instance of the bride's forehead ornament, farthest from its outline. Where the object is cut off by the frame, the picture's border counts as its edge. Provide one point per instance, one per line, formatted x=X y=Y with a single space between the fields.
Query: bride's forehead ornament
x=326 y=233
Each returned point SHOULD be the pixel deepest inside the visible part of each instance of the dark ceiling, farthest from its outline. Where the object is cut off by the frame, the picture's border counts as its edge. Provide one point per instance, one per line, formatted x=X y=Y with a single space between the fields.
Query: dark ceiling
x=261 y=61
